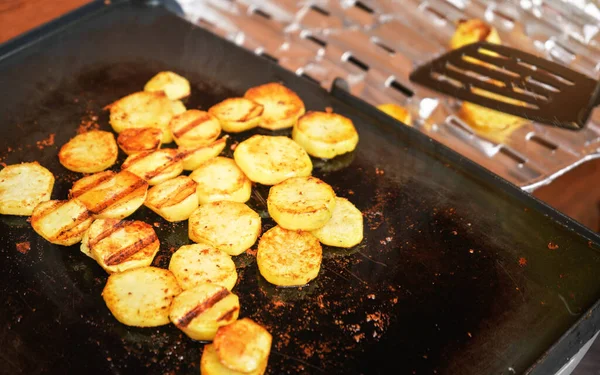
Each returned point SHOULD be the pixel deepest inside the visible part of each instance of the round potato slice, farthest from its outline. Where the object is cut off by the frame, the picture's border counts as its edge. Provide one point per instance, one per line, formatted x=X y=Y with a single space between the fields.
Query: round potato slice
x=472 y=31
x=173 y=200
x=194 y=157
x=141 y=297
x=325 y=135
x=196 y=264
x=89 y=152
x=237 y=114
x=134 y=140
x=155 y=167
x=288 y=257
x=210 y=364
x=345 y=228
x=24 y=186
x=282 y=107
x=120 y=245
x=200 y=311
x=195 y=128
x=220 y=179
x=270 y=160
x=301 y=203
x=172 y=84
x=243 y=345
x=61 y=222
x=396 y=111
x=231 y=227
x=145 y=110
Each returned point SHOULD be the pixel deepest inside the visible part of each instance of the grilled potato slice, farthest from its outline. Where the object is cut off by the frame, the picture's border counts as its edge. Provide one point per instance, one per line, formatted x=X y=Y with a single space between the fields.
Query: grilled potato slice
x=270 y=160
x=155 y=167
x=173 y=200
x=488 y=119
x=141 y=297
x=89 y=152
x=237 y=114
x=325 y=135
x=282 y=107
x=396 y=111
x=195 y=128
x=121 y=245
x=231 y=227
x=196 y=264
x=134 y=140
x=194 y=157
x=345 y=228
x=210 y=364
x=172 y=84
x=111 y=195
x=145 y=110
x=243 y=345
x=301 y=203
x=472 y=31
x=24 y=186
x=61 y=222
x=201 y=310
x=220 y=179
x=288 y=257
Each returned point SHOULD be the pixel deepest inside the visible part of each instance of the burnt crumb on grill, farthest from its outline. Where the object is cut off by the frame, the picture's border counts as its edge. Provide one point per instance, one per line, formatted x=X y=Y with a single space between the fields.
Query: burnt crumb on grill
x=23 y=247
x=379 y=171
x=46 y=142
x=552 y=246
x=522 y=262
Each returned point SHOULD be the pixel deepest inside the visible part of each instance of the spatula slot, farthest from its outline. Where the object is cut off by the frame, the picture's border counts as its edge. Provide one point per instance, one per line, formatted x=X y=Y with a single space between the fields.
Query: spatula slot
x=543 y=142
x=401 y=88
x=513 y=155
x=443 y=78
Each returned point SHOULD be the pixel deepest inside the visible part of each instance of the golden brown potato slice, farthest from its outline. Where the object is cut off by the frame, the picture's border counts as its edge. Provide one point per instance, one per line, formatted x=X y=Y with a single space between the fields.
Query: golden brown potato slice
x=141 y=297
x=220 y=179
x=174 y=200
x=145 y=110
x=111 y=195
x=270 y=160
x=155 y=167
x=472 y=31
x=196 y=264
x=201 y=310
x=288 y=257
x=301 y=203
x=61 y=222
x=194 y=157
x=210 y=364
x=345 y=228
x=195 y=128
x=134 y=140
x=24 y=186
x=243 y=345
x=325 y=135
x=396 y=111
x=172 y=84
x=231 y=227
x=237 y=114
x=488 y=119
x=89 y=152
x=282 y=106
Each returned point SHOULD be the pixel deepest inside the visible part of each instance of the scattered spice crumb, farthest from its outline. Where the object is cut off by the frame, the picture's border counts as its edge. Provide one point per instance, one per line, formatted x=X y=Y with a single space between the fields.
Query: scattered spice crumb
x=328 y=109
x=46 y=142
x=251 y=252
x=350 y=192
x=522 y=262
x=471 y=251
x=371 y=296
x=469 y=334
x=359 y=337
x=379 y=172
x=3 y=164
x=88 y=124
x=156 y=224
x=552 y=246
x=23 y=247
x=320 y=301
x=454 y=232
x=233 y=146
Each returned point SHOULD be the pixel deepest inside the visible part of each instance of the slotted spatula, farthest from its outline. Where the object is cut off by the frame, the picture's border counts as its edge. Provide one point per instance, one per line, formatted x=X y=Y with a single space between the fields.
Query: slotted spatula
x=512 y=81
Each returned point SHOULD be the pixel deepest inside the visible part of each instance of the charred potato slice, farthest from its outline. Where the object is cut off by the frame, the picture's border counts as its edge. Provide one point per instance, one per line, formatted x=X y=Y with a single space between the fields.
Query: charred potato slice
x=237 y=114
x=155 y=167
x=270 y=160
x=345 y=228
x=111 y=195
x=121 y=245
x=282 y=107
x=221 y=179
x=196 y=264
x=141 y=297
x=396 y=111
x=195 y=128
x=194 y=157
x=24 y=186
x=200 y=311
x=243 y=345
x=173 y=200
x=325 y=135
x=145 y=110
x=231 y=227
x=134 y=140
x=210 y=364
x=172 y=84
x=472 y=31
x=288 y=257
x=89 y=152
x=301 y=203
x=61 y=222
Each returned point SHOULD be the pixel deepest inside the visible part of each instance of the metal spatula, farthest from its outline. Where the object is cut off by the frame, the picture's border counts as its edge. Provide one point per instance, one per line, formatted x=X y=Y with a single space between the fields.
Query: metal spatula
x=511 y=81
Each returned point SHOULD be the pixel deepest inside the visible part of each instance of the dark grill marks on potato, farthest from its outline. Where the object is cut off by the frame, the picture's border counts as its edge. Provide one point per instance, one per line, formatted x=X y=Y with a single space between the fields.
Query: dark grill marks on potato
x=115 y=225
x=191 y=125
x=200 y=308
x=112 y=198
x=228 y=315
x=182 y=193
x=123 y=254
x=76 y=221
